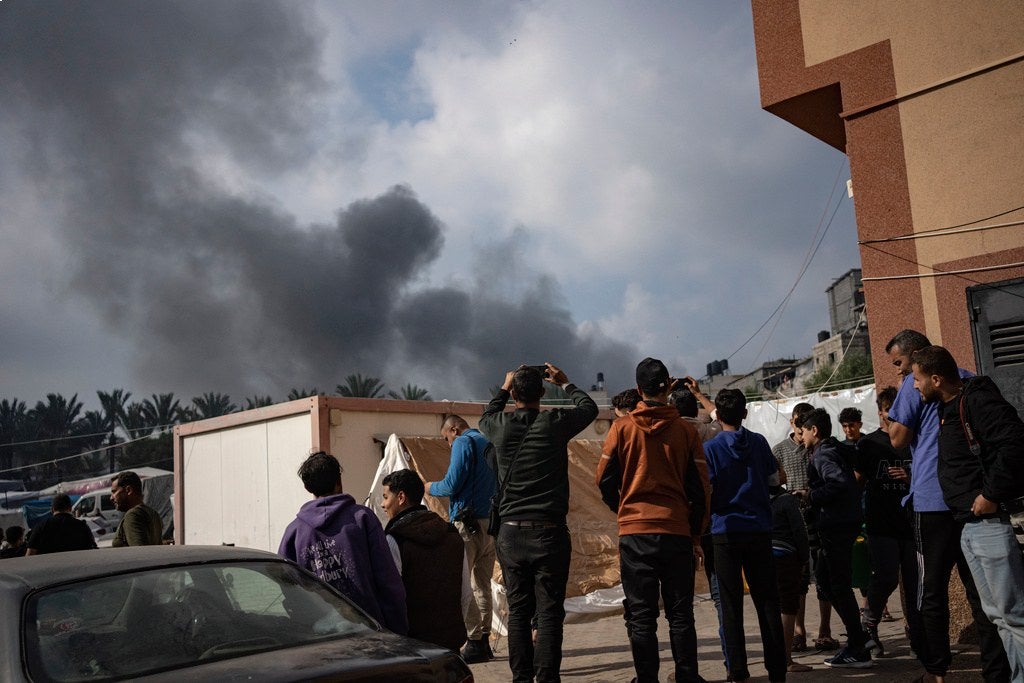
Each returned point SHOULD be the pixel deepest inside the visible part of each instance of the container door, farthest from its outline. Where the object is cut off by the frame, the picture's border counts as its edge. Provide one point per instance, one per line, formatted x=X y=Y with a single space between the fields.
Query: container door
x=997 y=315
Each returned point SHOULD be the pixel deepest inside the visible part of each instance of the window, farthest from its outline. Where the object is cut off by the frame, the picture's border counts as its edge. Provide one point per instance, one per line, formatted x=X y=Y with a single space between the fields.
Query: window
x=135 y=623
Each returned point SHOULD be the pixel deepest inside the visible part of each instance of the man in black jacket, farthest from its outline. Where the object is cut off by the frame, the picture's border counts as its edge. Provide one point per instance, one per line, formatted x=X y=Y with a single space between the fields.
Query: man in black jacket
x=981 y=471
x=62 y=532
x=533 y=546
x=431 y=558
x=833 y=491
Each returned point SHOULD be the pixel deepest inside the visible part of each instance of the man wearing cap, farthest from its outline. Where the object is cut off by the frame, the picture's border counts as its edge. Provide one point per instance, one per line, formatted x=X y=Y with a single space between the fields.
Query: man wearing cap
x=652 y=473
x=533 y=546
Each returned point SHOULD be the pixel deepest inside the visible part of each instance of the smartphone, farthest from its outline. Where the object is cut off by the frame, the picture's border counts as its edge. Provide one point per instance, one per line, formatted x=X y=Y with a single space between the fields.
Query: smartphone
x=542 y=369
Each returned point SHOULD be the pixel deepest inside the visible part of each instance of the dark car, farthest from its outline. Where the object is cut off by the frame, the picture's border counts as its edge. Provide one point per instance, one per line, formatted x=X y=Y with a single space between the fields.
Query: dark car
x=172 y=613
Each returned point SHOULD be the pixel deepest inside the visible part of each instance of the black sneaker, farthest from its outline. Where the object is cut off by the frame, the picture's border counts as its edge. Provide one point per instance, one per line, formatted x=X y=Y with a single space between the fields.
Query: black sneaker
x=874 y=642
x=486 y=640
x=849 y=658
x=475 y=652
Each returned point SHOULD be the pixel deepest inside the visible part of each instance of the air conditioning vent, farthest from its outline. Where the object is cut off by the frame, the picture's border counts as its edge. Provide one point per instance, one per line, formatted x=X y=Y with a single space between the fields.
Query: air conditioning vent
x=1007 y=343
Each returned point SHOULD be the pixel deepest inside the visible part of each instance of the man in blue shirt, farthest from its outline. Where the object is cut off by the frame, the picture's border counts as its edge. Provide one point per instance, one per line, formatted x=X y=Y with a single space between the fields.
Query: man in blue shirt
x=915 y=423
x=469 y=484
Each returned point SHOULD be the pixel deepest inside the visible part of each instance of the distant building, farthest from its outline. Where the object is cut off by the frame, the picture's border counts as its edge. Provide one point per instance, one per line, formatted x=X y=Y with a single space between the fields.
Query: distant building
x=848 y=320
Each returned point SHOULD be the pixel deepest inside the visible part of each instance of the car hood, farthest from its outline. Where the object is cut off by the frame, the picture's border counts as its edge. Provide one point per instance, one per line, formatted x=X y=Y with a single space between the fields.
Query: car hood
x=372 y=656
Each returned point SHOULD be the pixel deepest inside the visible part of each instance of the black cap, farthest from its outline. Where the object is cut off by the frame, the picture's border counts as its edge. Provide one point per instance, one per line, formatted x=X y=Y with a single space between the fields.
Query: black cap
x=652 y=376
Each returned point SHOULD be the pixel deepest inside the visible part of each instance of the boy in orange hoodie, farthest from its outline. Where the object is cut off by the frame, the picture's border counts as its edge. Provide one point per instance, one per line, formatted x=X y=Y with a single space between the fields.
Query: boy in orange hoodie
x=653 y=474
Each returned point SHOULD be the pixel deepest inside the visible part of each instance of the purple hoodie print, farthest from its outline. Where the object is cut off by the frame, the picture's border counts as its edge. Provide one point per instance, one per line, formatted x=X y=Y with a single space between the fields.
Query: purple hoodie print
x=343 y=543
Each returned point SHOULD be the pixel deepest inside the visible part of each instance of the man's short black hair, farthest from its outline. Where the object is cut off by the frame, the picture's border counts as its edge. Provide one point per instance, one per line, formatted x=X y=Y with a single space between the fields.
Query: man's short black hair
x=886 y=397
x=908 y=341
x=406 y=481
x=685 y=402
x=819 y=418
x=848 y=415
x=626 y=400
x=128 y=478
x=320 y=473
x=14 y=534
x=935 y=360
x=800 y=410
x=527 y=384
x=61 y=503
x=731 y=407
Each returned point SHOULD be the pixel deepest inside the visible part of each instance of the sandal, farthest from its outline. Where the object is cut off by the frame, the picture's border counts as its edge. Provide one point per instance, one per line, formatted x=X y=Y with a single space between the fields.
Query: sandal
x=826 y=643
x=799 y=644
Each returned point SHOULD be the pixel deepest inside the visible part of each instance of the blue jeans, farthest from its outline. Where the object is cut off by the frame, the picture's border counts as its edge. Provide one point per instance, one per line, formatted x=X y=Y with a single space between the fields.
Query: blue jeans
x=709 y=573
x=535 y=565
x=995 y=560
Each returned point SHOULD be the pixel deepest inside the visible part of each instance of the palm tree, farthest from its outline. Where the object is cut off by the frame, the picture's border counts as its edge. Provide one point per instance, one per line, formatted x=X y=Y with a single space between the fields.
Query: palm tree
x=357 y=386
x=113 y=404
x=135 y=423
x=212 y=404
x=295 y=394
x=258 y=402
x=411 y=392
x=55 y=419
x=161 y=410
x=13 y=421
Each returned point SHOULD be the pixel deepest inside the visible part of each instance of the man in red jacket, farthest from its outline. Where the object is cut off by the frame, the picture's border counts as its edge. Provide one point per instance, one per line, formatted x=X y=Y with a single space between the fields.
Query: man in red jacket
x=653 y=474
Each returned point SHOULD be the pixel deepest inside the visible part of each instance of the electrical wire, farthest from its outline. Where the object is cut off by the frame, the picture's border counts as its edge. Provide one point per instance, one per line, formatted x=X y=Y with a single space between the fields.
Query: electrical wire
x=853 y=336
x=84 y=436
x=54 y=461
x=816 y=241
x=935 y=231
x=987 y=285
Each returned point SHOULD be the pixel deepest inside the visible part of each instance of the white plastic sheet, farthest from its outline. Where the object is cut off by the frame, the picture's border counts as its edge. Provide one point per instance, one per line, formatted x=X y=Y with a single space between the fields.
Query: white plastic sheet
x=394 y=459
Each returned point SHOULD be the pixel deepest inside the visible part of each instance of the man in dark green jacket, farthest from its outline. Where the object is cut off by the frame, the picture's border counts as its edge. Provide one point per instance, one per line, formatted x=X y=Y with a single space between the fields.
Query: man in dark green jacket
x=141 y=524
x=533 y=545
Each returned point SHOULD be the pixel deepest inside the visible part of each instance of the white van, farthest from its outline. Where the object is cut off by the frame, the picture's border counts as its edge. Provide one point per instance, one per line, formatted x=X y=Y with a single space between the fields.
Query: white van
x=97 y=509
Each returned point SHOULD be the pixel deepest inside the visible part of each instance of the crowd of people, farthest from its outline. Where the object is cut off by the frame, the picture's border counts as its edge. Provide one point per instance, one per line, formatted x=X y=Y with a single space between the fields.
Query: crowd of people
x=61 y=531
x=938 y=485
x=935 y=486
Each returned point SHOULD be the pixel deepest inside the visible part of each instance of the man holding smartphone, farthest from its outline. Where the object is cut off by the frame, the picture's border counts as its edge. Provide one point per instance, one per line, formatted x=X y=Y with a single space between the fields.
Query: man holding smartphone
x=533 y=545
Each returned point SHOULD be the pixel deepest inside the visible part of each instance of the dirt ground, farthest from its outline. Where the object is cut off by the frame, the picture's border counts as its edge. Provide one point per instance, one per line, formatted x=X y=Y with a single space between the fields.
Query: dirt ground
x=598 y=651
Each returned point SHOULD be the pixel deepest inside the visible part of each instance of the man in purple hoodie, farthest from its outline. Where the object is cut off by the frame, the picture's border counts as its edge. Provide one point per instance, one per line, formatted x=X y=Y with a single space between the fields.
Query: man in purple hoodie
x=343 y=543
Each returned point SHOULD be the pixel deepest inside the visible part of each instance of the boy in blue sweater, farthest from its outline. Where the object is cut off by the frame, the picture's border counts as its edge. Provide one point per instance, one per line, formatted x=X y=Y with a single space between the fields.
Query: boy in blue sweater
x=741 y=467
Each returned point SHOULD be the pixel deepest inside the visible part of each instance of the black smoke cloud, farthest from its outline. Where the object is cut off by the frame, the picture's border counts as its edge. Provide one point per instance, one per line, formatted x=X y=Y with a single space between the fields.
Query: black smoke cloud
x=112 y=104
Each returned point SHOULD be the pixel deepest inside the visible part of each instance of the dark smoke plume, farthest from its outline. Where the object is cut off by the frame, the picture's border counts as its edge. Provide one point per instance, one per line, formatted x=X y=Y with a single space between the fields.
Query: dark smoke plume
x=113 y=105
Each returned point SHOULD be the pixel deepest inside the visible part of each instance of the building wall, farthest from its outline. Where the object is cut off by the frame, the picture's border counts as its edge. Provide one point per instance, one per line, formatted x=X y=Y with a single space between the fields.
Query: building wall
x=927 y=100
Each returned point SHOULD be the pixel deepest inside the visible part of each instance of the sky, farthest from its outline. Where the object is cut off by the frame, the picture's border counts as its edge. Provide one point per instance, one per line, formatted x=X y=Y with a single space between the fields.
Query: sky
x=248 y=197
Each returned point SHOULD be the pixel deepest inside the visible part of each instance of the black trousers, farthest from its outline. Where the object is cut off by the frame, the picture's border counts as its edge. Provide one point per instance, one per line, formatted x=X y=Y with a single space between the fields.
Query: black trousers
x=834 y=577
x=749 y=555
x=894 y=560
x=535 y=565
x=653 y=564
x=938 y=541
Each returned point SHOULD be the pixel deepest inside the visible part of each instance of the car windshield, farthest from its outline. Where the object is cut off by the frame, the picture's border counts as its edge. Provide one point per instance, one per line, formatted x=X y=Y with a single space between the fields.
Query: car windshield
x=143 y=622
